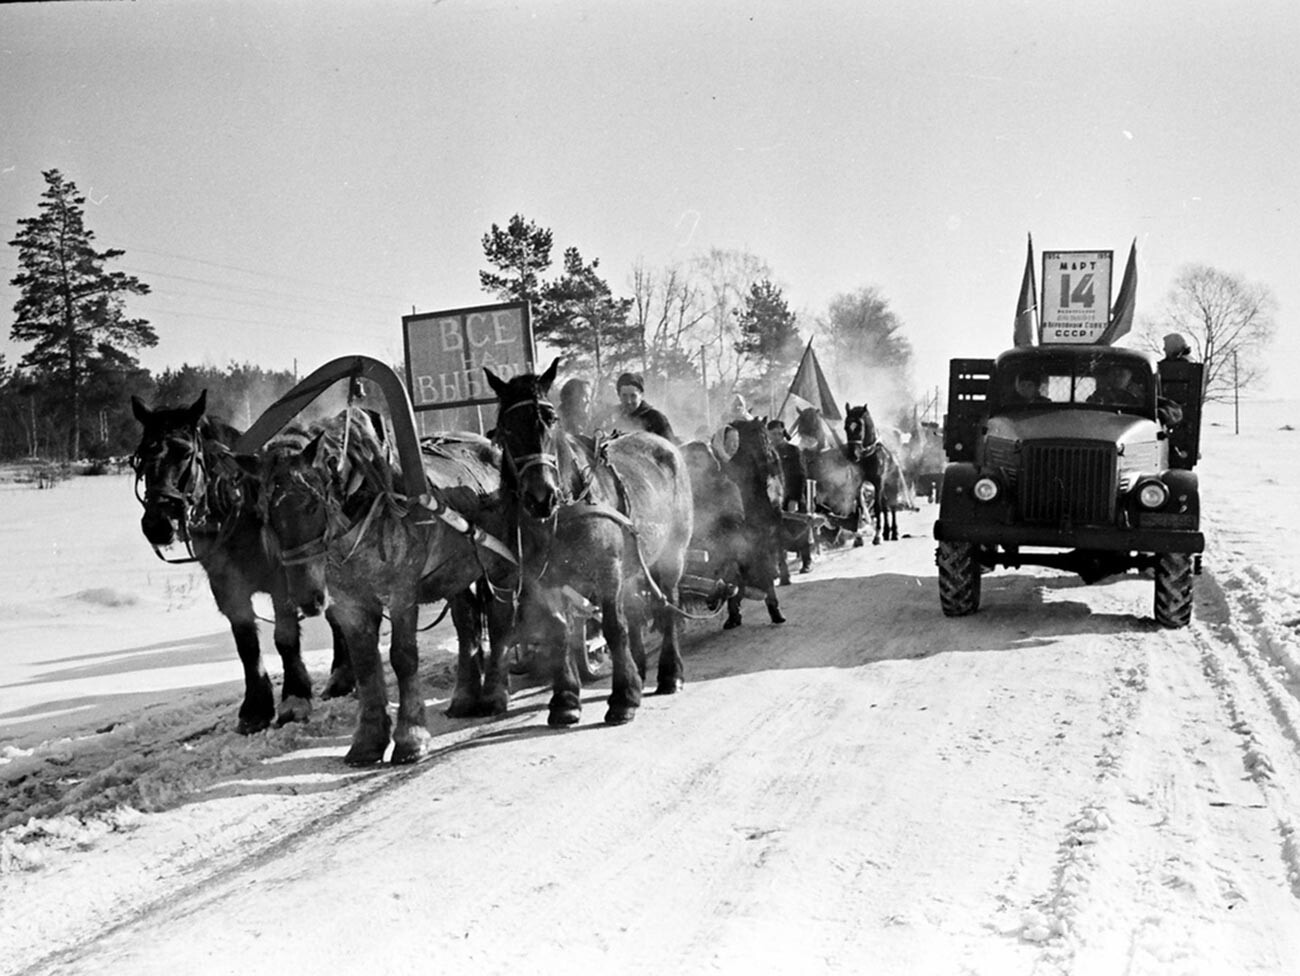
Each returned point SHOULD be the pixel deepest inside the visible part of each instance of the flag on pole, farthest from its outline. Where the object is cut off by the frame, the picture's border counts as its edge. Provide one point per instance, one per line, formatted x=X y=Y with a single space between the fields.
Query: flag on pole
x=809 y=384
x=1121 y=315
x=1026 y=328
x=810 y=389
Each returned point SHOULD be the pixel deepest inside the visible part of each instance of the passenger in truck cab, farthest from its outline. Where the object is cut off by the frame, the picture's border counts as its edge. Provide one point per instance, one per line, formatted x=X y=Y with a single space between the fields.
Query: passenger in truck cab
x=1028 y=388
x=1116 y=386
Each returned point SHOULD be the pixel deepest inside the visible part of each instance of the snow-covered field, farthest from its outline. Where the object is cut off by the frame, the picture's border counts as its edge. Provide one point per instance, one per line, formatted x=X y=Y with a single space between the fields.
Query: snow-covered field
x=1051 y=786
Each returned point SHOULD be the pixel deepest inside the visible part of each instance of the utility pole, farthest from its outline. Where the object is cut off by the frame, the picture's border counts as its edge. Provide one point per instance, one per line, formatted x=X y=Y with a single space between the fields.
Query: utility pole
x=1236 y=397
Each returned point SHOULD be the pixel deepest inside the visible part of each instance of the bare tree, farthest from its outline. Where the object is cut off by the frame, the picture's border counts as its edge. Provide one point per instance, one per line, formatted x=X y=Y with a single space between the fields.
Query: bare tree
x=668 y=308
x=1227 y=321
x=727 y=277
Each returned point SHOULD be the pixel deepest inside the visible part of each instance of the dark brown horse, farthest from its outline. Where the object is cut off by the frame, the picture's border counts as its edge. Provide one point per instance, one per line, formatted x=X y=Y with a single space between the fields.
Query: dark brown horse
x=335 y=505
x=880 y=469
x=756 y=470
x=733 y=553
x=609 y=526
x=842 y=494
x=194 y=494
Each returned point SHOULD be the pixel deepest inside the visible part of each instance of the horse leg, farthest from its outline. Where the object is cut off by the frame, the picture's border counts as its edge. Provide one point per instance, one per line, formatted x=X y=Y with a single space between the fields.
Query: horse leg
x=877 y=512
x=295 y=693
x=671 y=676
x=236 y=603
x=411 y=738
x=636 y=618
x=770 y=598
x=625 y=696
x=733 y=611
x=467 y=697
x=359 y=621
x=547 y=626
x=341 y=680
x=496 y=680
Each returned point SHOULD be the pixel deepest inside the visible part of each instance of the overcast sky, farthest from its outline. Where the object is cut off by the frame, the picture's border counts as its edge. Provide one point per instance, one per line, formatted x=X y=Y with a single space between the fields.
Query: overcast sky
x=292 y=178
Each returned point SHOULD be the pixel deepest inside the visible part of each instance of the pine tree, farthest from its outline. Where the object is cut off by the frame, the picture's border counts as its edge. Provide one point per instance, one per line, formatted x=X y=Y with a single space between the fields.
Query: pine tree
x=584 y=321
x=769 y=338
x=520 y=253
x=70 y=306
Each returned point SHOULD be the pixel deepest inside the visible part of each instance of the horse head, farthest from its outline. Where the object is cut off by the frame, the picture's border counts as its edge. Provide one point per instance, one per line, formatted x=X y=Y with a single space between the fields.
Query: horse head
x=758 y=461
x=313 y=484
x=530 y=439
x=170 y=469
x=809 y=429
x=293 y=499
x=859 y=431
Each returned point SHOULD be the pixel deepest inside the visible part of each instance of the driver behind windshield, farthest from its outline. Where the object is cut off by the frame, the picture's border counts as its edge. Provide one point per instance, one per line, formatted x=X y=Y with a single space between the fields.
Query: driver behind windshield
x=1117 y=386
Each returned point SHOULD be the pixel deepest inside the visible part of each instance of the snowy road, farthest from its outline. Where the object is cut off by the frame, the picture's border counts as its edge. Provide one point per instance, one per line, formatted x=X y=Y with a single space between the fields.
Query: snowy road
x=1053 y=785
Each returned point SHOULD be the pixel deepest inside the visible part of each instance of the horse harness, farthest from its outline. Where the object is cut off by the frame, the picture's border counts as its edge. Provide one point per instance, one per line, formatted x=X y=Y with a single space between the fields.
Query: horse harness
x=582 y=505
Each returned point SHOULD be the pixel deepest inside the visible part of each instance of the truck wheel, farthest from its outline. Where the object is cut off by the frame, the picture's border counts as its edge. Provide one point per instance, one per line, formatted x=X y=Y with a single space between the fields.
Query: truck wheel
x=959 y=578
x=1173 y=589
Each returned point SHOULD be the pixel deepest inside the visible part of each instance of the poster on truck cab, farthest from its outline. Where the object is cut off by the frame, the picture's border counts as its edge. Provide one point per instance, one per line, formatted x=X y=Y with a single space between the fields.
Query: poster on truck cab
x=445 y=355
x=1076 y=296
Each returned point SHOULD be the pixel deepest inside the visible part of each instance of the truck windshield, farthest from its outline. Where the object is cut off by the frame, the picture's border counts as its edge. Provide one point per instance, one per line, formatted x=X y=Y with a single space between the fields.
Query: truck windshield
x=1103 y=383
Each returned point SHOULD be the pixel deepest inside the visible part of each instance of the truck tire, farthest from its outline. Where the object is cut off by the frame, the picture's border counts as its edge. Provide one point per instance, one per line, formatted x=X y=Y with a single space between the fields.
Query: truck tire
x=959 y=578
x=1173 y=589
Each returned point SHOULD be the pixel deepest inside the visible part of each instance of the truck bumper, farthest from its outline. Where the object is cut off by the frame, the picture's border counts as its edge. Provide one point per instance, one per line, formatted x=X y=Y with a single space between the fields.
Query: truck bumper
x=1105 y=539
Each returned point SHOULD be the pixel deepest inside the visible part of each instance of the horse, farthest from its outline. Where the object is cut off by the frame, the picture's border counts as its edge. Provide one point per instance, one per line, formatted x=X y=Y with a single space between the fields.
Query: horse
x=736 y=552
x=194 y=493
x=756 y=470
x=348 y=533
x=880 y=469
x=842 y=493
x=796 y=536
x=596 y=525
x=718 y=529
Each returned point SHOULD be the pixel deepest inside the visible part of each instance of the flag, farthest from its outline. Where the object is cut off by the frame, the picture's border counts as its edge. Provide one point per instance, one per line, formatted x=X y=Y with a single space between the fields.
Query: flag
x=1121 y=316
x=810 y=385
x=1026 y=328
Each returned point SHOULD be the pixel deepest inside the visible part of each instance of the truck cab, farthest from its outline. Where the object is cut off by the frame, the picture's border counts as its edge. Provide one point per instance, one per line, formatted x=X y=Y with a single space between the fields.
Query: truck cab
x=1078 y=457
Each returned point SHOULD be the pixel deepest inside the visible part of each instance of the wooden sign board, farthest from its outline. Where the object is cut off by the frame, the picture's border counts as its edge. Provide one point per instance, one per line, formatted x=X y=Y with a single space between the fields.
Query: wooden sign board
x=445 y=355
x=1076 y=296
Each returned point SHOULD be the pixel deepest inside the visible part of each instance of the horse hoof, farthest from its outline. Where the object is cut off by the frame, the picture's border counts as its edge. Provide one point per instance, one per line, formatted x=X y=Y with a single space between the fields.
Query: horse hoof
x=804 y=570
x=777 y=616
x=251 y=726
x=620 y=714
x=339 y=685
x=874 y=542
x=562 y=718
x=670 y=687
x=293 y=709
x=359 y=756
x=731 y=623
x=463 y=708
x=858 y=542
x=411 y=747
x=497 y=704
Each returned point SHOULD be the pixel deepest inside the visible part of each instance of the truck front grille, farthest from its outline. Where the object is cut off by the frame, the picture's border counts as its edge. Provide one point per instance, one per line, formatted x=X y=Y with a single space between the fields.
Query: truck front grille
x=1068 y=483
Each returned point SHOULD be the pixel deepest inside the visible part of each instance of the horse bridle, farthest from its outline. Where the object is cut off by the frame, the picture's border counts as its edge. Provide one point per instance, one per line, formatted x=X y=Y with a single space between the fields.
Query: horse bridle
x=192 y=481
x=864 y=449
x=524 y=462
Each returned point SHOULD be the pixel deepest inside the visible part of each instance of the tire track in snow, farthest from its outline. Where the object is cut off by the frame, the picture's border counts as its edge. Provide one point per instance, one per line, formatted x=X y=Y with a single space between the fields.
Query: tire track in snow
x=1050 y=920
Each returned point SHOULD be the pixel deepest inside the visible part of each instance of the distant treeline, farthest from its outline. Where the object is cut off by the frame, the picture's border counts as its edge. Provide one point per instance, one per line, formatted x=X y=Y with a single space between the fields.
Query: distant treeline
x=36 y=420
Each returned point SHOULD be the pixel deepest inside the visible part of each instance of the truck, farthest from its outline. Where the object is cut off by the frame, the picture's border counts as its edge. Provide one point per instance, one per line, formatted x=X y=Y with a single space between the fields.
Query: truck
x=1077 y=457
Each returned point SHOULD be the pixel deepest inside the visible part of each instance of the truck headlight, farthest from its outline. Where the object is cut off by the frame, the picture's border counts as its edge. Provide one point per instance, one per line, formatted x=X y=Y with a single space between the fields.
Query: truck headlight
x=1153 y=494
x=986 y=489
